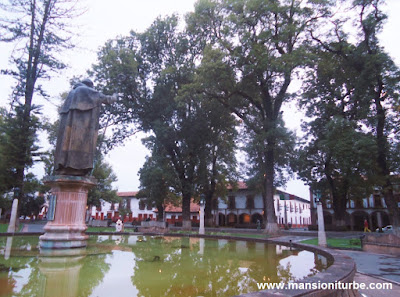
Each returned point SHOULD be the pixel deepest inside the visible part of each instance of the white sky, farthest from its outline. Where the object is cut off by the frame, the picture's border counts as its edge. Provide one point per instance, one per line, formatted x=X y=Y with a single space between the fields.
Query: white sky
x=106 y=20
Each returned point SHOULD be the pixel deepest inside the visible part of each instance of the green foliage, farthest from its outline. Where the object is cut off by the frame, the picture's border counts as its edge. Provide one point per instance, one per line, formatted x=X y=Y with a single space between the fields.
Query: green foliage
x=39 y=31
x=156 y=83
x=103 y=190
x=16 y=138
x=32 y=202
x=254 y=49
x=336 y=158
x=158 y=180
x=351 y=92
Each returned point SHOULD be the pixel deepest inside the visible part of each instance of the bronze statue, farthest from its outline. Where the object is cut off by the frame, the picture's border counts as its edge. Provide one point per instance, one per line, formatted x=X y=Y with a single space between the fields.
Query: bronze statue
x=79 y=125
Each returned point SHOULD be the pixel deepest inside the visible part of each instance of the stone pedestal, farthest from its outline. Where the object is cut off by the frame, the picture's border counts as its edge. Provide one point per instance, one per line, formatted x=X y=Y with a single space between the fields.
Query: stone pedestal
x=67 y=229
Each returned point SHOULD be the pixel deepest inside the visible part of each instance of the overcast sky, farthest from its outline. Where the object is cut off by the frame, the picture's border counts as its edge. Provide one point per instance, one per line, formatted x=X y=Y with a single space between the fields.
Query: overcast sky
x=106 y=20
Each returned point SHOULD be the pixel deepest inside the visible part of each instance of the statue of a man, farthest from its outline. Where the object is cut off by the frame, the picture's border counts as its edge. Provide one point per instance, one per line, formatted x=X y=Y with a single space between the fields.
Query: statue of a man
x=79 y=125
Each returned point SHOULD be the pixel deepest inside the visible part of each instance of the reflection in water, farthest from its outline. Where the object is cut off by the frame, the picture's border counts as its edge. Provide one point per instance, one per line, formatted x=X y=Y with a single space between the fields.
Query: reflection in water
x=149 y=266
x=8 y=248
x=118 y=277
x=60 y=274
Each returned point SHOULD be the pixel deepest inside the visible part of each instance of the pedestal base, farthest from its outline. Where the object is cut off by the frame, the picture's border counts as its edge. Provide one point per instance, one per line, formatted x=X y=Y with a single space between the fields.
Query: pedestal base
x=67 y=230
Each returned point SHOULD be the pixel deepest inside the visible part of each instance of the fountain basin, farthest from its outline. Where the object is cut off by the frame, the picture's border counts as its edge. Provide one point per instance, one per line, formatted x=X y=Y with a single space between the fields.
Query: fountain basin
x=152 y=265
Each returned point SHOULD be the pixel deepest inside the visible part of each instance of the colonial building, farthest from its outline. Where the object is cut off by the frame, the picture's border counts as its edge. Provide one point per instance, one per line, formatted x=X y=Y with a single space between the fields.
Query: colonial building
x=243 y=208
x=372 y=208
x=173 y=214
x=139 y=211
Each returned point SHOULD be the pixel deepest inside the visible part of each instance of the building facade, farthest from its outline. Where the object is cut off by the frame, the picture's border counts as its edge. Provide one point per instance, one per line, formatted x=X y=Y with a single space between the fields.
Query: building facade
x=137 y=209
x=244 y=208
x=241 y=208
x=372 y=208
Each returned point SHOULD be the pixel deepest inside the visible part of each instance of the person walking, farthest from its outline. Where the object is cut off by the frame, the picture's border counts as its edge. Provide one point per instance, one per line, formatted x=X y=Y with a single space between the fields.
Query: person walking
x=366 y=229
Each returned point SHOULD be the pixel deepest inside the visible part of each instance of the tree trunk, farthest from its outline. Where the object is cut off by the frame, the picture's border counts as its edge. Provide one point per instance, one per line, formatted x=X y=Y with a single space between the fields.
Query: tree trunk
x=160 y=217
x=271 y=225
x=186 y=222
x=208 y=218
x=340 y=210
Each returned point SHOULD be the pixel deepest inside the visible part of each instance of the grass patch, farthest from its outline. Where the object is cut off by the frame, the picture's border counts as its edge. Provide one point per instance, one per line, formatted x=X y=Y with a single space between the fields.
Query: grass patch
x=107 y=229
x=4 y=227
x=353 y=243
x=247 y=235
x=132 y=230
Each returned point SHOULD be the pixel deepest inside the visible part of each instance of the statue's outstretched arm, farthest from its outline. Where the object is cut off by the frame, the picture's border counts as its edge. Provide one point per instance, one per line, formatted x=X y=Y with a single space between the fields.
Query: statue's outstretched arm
x=108 y=99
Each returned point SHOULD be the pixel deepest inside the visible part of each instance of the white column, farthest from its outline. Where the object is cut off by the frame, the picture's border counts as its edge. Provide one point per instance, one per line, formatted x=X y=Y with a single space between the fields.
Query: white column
x=321 y=226
x=11 y=226
x=201 y=228
x=379 y=217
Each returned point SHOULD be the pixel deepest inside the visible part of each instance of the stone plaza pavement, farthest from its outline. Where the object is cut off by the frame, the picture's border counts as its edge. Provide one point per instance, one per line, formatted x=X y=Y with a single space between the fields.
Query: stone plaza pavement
x=371 y=268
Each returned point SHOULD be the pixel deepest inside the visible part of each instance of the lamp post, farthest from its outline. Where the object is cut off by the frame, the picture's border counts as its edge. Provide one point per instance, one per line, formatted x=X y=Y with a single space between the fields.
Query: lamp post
x=202 y=205
x=321 y=224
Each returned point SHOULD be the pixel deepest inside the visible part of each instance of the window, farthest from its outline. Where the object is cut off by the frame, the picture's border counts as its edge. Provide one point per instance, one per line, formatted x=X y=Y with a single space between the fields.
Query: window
x=149 y=207
x=142 y=205
x=231 y=202
x=359 y=203
x=250 y=202
x=378 y=201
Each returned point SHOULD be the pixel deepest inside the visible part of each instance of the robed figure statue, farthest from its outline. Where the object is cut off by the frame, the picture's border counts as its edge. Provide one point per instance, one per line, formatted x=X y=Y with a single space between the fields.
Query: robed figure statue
x=79 y=125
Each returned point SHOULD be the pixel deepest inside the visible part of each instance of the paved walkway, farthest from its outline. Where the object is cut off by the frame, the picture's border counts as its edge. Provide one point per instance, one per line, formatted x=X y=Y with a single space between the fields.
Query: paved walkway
x=371 y=268
x=34 y=227
x=367 y=279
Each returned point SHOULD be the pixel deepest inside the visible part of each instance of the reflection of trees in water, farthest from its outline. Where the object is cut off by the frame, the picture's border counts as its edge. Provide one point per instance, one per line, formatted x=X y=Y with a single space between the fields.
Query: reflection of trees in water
x=19 y=259
x=175 y=267
x=285 y=273
x=94 y=265
x=24 y=255
x=163 y=266
x=92 y=273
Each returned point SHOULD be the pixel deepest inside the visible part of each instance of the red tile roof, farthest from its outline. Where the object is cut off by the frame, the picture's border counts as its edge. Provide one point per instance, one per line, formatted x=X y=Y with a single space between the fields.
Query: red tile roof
x=194 y=207
x=241 y=185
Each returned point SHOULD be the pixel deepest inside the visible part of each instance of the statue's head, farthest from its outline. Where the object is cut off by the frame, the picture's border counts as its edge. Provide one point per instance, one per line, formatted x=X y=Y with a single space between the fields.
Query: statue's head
x=88 y=82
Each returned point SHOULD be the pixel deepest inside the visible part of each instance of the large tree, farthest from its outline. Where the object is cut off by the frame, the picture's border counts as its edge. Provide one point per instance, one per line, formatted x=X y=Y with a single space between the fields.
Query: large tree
x=103 y=190
x=336 y=155
x=158 y=179
x=375 y=94
x=12 y=154
x=39 y=30
x=153 y=72
x=256 y=47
